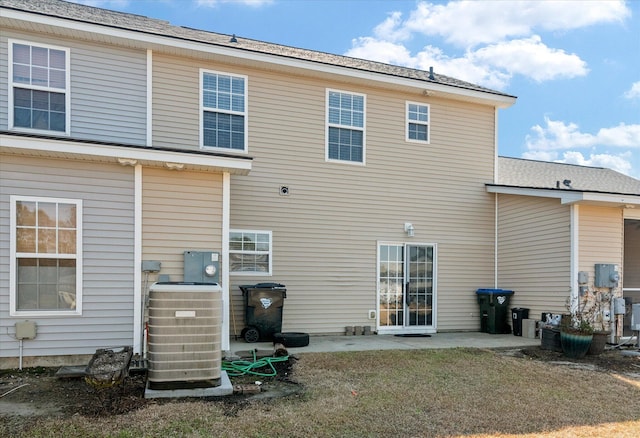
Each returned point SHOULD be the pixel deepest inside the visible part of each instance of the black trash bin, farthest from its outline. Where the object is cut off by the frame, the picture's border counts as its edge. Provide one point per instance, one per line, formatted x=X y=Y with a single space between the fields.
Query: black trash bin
x=517 y=315
x=494 y=306
x=263 y=304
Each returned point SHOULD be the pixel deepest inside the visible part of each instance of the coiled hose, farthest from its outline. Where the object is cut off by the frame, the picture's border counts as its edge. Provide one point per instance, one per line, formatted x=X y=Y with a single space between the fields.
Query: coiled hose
x=237 y=368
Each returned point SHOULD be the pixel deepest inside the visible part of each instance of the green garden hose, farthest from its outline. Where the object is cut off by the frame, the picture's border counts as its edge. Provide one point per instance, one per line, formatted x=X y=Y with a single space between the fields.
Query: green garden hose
x=241 y=367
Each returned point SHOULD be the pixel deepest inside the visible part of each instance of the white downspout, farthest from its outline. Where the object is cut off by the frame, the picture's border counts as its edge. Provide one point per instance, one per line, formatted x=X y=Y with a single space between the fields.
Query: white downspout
x=224 y=275
x=138 y=308
x=495 y=181
x=495 y=245
x=575 y=258
x=149 y=97
x=138 y=305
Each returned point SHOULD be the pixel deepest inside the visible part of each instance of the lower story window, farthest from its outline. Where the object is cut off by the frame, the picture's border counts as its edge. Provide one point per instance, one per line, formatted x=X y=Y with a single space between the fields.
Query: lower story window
x=250 y=252
x=46 y=253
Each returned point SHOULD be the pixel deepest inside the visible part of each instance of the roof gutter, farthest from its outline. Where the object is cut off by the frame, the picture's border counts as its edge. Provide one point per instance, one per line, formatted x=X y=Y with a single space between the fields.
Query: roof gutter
x=124 y=155
x=570 y=197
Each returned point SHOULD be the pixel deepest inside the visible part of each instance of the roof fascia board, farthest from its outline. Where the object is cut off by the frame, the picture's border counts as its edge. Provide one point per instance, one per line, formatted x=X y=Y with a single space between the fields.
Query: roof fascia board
x=71 y=147
x=566 y=197
x=612 y=198
x=500 y=101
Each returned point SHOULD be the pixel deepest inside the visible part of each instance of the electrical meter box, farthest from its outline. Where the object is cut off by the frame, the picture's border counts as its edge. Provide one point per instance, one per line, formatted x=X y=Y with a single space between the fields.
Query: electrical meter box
x=201 y=267
x=606 y=275
x=25 y=330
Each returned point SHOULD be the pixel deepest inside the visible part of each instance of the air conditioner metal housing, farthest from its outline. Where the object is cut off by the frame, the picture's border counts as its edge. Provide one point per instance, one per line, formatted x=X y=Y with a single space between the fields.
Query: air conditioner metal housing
x=185 y=335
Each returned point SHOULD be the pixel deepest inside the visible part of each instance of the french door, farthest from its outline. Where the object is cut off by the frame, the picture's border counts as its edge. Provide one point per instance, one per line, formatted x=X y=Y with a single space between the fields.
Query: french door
x=406 y=288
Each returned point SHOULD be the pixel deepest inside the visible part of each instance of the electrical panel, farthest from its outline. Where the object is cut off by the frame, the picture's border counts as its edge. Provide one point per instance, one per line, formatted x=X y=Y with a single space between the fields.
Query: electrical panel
x=606 y=275
x=201 y=267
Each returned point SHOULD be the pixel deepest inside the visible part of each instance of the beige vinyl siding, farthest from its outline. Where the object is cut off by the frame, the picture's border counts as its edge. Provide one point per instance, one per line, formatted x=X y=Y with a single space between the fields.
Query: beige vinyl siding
x=181 y=211
x=601 y=238
x=108 y=270
x=534 y=252
x=325 y=232
x=176 y=102
x=108 y=89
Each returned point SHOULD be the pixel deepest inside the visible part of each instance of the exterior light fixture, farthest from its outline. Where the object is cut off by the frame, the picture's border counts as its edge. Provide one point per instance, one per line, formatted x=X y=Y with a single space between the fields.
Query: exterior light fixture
x=408 y=228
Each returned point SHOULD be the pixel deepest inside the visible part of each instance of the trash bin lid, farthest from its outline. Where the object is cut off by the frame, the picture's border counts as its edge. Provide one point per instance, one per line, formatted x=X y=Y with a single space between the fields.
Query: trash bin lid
x=494 y=292
x=263 y=286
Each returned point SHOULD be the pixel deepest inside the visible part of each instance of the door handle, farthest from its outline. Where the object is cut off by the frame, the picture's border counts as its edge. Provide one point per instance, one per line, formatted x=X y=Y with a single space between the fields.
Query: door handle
x=406 y=294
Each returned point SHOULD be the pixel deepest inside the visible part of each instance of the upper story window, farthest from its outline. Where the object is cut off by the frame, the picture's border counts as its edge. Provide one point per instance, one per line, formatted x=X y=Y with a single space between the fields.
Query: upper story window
x=45 y=247
x=224 y=111
x=39 y=95
x=345 y=126
x=250 y=252
x=417 y=122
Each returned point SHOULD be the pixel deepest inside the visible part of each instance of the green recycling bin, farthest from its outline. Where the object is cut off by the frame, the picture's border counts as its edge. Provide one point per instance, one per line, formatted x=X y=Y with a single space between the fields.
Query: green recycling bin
x=494 y=310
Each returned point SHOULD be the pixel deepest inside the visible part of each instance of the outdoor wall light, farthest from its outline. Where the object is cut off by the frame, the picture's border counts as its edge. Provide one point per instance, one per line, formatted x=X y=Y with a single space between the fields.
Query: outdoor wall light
x=408 y=228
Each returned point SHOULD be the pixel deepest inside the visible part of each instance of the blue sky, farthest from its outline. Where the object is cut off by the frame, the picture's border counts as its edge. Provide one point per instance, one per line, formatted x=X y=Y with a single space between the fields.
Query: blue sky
x=574 y=65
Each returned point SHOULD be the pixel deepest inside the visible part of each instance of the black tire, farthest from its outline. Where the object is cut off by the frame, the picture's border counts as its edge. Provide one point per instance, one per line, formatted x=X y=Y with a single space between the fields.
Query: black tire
x=251 y=334
x=291 y=339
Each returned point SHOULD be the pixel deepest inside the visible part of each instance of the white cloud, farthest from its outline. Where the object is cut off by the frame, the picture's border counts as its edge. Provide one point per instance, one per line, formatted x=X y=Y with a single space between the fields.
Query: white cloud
x=530 y=57
x=619 y=163
x=492 y=66
x=559 y=135
x=634 y=92
x=468 y=23
x=381 y=51
x=496 y=37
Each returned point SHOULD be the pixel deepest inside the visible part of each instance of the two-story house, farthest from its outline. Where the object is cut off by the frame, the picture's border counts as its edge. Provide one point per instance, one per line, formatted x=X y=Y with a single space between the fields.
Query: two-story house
x=371 y=191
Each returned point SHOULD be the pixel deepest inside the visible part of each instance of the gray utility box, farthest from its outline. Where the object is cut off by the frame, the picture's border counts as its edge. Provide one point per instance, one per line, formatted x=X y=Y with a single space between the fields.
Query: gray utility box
x=201 y=267
x=607 y=275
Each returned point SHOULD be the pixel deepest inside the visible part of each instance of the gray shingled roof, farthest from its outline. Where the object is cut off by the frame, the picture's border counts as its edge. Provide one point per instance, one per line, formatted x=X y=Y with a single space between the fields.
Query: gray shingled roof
x=546 y=175
x=138 y=23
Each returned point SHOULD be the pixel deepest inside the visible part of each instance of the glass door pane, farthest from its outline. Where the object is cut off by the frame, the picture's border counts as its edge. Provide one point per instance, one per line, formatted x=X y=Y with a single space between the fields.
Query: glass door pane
x=391 y=295
x=419 y=293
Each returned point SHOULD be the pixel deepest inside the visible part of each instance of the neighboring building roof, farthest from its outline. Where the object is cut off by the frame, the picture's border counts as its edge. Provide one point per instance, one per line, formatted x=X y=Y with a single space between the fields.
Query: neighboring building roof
x=516 y=172
x=138 y=23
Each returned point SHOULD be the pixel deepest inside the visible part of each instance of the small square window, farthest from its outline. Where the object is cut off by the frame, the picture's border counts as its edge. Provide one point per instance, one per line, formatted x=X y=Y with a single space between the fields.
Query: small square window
x=250 y=252
x=418 y=124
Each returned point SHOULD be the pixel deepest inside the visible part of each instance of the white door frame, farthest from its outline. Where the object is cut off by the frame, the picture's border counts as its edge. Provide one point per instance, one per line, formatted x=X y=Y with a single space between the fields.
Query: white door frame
x=380 y=311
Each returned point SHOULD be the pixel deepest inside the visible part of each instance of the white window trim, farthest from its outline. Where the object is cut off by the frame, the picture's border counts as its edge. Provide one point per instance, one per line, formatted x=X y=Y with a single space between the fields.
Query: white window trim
x=355 y=128
x=12 y=258
x=253 y=273
x=417 y=122
x=245 y=113
x=66 y=91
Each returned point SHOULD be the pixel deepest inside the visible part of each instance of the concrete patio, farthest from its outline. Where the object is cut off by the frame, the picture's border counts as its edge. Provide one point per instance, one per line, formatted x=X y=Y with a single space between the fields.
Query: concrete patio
x=321 y=344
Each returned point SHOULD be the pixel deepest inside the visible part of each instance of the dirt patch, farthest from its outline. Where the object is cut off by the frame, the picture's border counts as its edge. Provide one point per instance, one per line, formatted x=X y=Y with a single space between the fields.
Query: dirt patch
x=32 y=394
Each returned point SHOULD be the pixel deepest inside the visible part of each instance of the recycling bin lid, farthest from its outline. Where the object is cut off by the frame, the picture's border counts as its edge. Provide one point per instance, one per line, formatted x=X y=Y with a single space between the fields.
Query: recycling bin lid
x=488 y=291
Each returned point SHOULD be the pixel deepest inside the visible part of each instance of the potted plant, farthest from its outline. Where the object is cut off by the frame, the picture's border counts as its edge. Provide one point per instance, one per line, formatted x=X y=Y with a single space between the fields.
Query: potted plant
x=601 y=327
x=576 y=329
